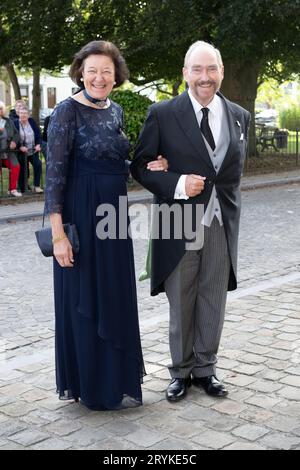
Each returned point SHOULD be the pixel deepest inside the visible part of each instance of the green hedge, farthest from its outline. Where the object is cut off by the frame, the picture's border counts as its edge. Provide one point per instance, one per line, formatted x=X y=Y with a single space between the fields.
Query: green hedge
x=135 y=108
x=290 y=118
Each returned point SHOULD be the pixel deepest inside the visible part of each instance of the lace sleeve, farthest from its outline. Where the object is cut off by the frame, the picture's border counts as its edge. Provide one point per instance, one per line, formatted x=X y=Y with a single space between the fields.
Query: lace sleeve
x=61 y=133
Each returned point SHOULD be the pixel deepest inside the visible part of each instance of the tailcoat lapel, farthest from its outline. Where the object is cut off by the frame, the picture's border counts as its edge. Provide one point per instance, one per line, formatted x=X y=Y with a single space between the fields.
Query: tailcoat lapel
x=235 y=129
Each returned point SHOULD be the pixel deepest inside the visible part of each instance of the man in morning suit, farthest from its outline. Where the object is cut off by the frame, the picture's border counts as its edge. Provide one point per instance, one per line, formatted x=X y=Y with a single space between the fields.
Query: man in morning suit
x=204 y=137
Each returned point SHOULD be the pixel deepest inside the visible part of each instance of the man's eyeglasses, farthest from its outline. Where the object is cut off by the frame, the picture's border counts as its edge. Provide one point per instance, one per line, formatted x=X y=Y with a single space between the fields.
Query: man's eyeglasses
x=198 y=70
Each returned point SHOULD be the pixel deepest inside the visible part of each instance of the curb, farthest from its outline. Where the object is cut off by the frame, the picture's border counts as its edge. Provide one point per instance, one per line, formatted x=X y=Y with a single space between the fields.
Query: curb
x=270 y=183
x=20 y=217
x=147 y=198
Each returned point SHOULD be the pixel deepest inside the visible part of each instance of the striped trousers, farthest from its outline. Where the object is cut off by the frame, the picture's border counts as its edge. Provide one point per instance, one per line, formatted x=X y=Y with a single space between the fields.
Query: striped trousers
x=197 y=292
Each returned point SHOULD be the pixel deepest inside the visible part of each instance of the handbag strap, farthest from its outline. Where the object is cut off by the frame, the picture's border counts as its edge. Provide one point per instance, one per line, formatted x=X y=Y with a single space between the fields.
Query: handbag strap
x=75 y=168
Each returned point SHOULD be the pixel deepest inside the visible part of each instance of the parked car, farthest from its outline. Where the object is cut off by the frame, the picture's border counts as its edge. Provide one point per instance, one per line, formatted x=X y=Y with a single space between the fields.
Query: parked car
x=267 y=117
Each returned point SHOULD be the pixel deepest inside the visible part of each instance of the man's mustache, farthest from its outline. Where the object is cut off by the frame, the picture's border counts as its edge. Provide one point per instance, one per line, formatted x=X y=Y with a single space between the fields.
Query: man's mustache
x=206 y=83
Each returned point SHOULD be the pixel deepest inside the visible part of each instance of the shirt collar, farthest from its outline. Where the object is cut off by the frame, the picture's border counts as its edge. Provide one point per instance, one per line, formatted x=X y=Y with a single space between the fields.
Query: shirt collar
x=215 y=106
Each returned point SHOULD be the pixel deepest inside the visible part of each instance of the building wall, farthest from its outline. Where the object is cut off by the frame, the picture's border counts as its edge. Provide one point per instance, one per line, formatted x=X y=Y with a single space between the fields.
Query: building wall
x=2 y=91
x=62 y=85
x=5 y=94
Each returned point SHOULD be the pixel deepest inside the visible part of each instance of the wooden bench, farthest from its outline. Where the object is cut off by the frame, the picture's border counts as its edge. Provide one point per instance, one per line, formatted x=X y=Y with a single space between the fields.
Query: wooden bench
x=266 y=138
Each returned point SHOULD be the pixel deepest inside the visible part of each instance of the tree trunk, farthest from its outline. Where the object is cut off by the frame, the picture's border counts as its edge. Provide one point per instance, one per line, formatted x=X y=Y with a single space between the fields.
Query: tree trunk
x=175 y=87
x=36 y=95
x=240 y=85
x=14 y=80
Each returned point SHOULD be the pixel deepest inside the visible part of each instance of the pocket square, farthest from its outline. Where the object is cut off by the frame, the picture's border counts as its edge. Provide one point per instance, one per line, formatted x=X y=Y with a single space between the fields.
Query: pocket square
x=242 y=136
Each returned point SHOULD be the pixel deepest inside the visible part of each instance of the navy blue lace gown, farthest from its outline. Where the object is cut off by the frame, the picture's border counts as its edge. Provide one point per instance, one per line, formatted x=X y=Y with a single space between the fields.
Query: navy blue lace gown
x=98 y=349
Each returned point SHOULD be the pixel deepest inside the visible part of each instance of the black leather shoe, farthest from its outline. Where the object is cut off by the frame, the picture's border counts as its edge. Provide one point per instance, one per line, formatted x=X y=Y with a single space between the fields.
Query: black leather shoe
x=211 y=385
x=177 y=389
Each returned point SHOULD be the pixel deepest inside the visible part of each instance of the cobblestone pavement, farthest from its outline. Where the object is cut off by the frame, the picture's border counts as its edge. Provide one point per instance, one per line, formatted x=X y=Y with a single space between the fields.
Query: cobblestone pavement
x=259 y=355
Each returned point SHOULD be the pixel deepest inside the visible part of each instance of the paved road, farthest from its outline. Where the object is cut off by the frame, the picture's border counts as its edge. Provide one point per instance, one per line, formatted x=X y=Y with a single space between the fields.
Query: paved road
x=259 y=356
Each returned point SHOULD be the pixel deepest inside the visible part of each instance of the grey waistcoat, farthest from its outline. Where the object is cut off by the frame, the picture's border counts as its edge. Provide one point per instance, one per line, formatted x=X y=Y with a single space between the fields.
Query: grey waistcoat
x=217 y=156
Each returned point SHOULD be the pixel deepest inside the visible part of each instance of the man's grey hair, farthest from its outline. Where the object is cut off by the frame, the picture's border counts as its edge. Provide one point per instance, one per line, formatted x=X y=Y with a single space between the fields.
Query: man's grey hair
x=203 y=45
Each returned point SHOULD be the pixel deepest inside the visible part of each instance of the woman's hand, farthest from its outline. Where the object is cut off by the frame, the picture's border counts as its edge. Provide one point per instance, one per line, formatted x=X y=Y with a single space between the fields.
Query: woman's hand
x=161 y=164
x=12 y=145
x=63 y=253
x=24 y=149
x=62 y=248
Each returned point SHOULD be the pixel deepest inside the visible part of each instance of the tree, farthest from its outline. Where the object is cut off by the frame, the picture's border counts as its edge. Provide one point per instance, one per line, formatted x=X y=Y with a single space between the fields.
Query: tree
x=153 y=35
x=258 y=39
x=33 y=36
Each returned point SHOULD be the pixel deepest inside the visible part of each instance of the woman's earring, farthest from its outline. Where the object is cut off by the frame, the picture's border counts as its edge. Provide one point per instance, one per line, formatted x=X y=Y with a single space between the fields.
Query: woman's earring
x=81 y=79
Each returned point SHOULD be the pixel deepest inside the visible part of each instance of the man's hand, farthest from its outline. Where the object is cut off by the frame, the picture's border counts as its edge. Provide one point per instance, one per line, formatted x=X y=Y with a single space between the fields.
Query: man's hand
x=24 y=149
x=37 y=148
x=161 y=164
x=194 y=185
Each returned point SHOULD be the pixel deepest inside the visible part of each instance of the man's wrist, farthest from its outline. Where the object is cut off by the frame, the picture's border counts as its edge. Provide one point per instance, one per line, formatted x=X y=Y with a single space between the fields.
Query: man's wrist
x=180 y=191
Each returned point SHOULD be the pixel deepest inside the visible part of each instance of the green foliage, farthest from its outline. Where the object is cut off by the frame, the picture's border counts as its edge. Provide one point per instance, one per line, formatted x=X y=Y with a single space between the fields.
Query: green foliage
x=154 y=35
x=274 y=94
x=166 y=91
x=290 y=118
x=263 y=32
x=135 y=108
x=33 y=33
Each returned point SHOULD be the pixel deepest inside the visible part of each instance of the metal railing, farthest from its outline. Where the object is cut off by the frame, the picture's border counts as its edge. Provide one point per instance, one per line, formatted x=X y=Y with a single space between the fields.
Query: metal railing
x=274 y=141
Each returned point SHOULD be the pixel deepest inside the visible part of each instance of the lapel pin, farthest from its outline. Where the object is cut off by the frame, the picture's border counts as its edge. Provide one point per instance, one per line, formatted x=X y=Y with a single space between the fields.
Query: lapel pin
x=238 y=123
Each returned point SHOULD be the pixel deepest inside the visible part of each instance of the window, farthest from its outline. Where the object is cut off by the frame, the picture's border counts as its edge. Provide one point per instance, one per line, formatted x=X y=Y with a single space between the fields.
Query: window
x=24 y=89
x=51 y=97
x=41 y=97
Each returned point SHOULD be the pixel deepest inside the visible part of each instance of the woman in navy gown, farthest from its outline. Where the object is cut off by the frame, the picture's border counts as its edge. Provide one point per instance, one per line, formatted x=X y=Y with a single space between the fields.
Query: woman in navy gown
x=98 y=350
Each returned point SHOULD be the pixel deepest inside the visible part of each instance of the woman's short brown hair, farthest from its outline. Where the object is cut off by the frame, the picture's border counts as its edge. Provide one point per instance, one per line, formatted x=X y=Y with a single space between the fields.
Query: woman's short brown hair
x=102 y=48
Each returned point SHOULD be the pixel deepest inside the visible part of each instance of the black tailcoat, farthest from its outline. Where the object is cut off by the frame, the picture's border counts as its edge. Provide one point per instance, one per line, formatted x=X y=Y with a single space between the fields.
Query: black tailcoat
x=171 y=130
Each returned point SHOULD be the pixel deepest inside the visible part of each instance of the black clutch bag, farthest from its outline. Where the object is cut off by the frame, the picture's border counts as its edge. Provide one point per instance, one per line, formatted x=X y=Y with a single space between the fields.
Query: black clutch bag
x=44 y=239
x=44 y=235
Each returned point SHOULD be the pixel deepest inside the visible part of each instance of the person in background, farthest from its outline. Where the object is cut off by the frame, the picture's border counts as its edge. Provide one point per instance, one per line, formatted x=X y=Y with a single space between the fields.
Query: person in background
x=45 y=137
x=14 y=113
x=29 y=147
x=9 y=139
